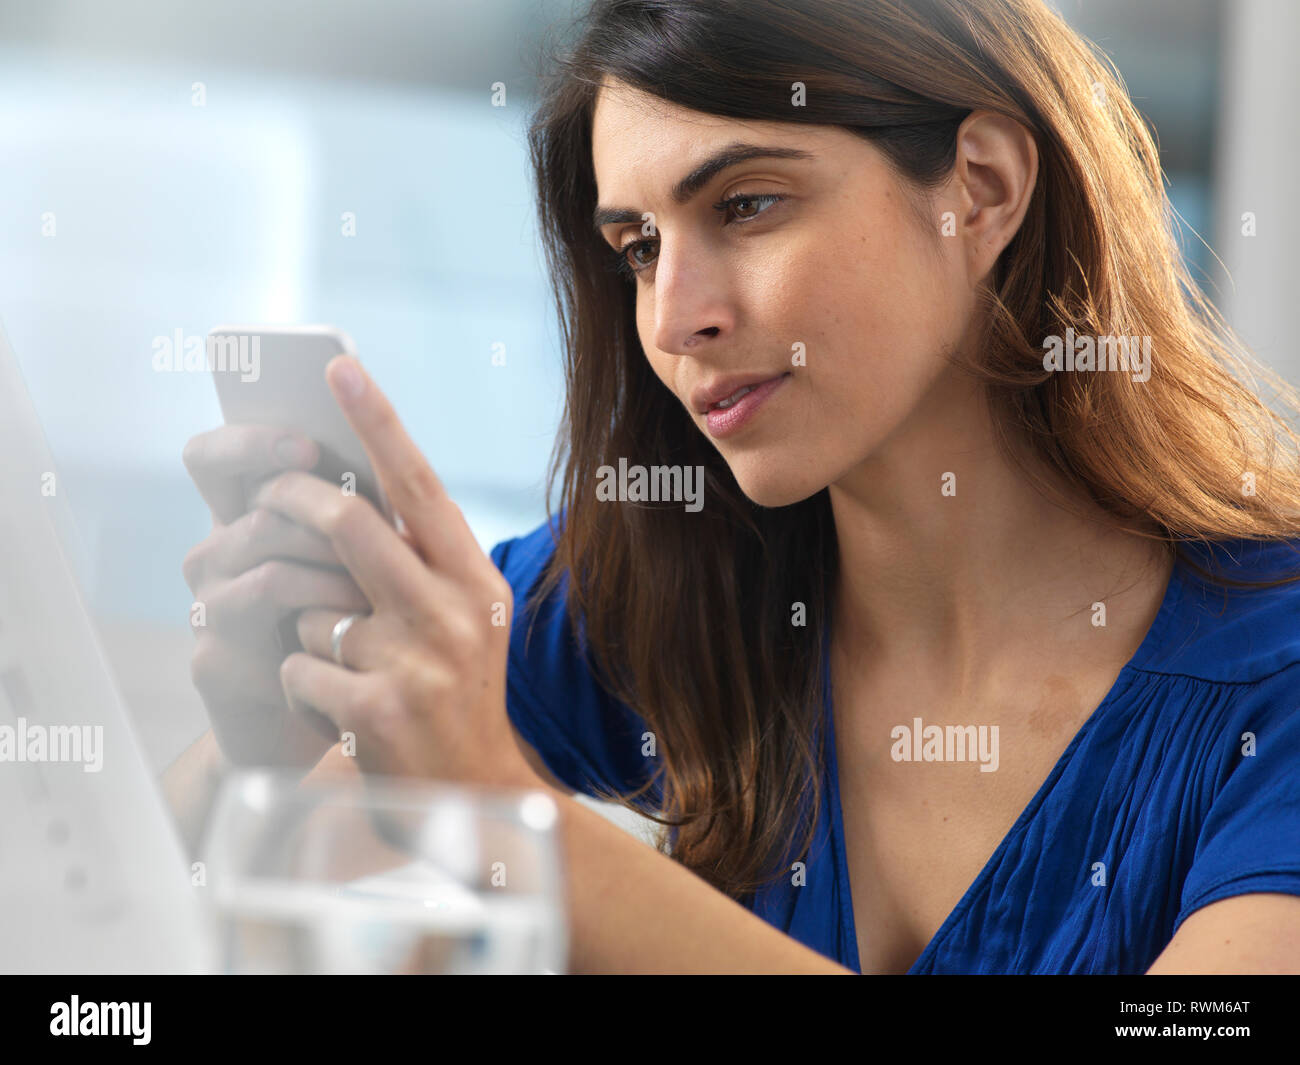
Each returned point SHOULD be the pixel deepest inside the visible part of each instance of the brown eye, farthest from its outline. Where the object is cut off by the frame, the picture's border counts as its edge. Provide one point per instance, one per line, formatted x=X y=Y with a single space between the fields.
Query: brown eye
x=631 y=249
x=628 y=262
x=760 y=204
x=623 y=265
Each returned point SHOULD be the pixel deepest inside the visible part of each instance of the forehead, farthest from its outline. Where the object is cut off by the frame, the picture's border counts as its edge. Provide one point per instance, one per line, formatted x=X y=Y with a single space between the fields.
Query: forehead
x=636 y=133
x=622 y=111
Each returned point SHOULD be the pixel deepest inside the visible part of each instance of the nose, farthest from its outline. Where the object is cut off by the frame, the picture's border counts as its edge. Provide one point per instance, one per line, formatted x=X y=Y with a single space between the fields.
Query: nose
x=693 y=300
x=698 y=337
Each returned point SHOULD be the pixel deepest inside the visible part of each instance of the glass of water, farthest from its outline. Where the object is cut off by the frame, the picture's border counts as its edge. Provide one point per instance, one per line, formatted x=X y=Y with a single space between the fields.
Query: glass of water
x=384 y=876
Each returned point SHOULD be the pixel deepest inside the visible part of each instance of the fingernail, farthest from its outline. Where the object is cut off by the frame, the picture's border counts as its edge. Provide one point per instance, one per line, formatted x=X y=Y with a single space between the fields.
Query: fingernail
x=294 y=451
x=350 y=381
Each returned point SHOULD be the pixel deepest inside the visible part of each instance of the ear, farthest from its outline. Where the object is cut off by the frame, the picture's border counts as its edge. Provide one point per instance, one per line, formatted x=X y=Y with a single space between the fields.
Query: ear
x=993 y=180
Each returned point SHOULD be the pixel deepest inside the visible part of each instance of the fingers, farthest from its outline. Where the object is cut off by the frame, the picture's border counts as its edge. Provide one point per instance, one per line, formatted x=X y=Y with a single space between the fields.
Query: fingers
x=251 y=539
x=224 y=672
x=367 y=646
x=248 y=608
x=414 y=490
x=222 y=460
x=381 y=562
x=314 y=685
x=362 y=648
x=247 y=707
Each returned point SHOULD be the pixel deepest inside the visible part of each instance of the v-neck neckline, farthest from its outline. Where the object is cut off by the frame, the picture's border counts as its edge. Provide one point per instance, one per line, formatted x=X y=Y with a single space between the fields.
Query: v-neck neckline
x=1151 y=642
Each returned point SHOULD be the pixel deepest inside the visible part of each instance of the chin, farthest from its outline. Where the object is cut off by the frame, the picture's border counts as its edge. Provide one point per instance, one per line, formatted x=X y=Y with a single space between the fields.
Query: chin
x=769 y=485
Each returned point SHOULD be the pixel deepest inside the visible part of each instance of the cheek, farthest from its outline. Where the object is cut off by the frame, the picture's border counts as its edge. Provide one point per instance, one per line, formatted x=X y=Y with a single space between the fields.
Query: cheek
x=666 y=370
x=887 y=307
x=665 y=367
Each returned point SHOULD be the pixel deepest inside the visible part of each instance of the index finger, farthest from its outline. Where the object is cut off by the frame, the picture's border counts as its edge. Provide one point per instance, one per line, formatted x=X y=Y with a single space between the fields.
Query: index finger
x=435 y=523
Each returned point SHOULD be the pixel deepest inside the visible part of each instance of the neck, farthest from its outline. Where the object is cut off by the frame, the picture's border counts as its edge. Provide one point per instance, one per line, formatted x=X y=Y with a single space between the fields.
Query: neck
x=954 y=574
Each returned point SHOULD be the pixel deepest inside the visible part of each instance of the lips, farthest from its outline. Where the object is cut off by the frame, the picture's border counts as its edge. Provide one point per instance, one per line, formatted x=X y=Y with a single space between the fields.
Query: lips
x=727 y=390
x=722 y=422
x=724 y=403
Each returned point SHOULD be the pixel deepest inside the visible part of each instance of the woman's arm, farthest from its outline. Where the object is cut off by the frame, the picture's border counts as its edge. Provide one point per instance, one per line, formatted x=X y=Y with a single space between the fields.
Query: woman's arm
x=189 y=786
x=633 y=909
x=1255 y=933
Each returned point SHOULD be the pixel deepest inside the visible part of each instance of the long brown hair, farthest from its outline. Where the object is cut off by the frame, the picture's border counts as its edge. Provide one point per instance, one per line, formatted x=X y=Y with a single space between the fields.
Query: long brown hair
x=688 y=616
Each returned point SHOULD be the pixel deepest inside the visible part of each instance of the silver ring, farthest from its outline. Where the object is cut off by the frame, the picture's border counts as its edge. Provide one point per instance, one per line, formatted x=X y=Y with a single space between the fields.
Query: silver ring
x=336 y=637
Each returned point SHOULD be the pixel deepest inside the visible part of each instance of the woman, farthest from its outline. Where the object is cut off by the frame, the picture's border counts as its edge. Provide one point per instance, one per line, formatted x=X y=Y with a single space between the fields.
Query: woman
x=996 y=486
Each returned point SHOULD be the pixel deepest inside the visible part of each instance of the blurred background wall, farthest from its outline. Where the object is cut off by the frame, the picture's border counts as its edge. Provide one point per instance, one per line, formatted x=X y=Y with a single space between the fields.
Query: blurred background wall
x=172 y=166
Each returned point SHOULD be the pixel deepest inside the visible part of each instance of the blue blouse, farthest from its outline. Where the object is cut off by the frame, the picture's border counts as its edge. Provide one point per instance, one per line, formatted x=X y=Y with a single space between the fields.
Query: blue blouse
x=1184 y=783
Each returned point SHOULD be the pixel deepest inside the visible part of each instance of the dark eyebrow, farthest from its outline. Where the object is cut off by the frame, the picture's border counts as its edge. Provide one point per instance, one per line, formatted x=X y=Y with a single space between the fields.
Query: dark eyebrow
x=699 y=177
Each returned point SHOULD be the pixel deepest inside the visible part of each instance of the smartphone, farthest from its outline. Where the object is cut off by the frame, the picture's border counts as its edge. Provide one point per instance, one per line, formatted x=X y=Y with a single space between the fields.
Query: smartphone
x=275 y=375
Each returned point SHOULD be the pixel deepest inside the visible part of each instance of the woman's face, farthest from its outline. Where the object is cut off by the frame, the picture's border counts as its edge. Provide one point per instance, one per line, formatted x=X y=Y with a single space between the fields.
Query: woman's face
x=826 y=279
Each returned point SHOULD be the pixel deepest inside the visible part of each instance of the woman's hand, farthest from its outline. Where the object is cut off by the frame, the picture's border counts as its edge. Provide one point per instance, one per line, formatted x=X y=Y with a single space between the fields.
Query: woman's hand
x=422 y=687
x=252 y=574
